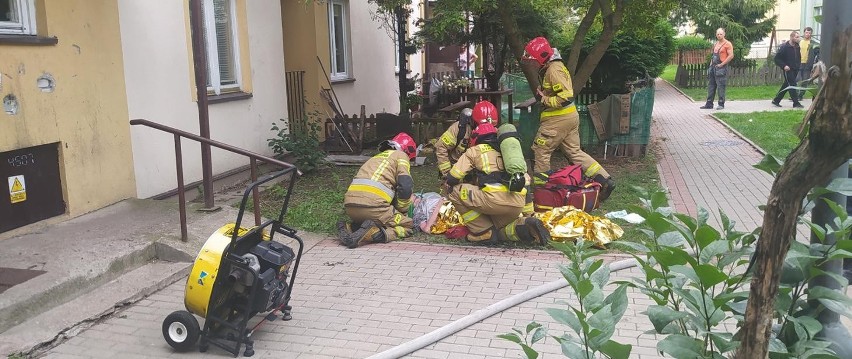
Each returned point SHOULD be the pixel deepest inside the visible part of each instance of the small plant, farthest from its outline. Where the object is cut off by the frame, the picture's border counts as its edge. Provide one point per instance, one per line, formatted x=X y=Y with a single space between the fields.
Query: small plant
x=699 y=292
x=304 y=146
x=413 y=101
x=592 y=319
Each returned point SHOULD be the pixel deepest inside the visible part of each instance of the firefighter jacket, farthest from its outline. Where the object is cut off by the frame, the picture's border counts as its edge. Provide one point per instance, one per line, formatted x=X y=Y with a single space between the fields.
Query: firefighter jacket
x=558 y=91
x=490 y=175
x=385 y=179
x=447 y=148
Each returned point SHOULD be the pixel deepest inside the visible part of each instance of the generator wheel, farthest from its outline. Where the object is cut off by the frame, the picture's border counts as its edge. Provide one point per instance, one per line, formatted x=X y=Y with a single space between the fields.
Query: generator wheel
x=181 y=330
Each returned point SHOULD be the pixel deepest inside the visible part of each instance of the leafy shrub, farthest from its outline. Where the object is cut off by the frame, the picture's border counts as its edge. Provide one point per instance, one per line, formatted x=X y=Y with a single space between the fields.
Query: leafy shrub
x=698 y=278
x=692 y=42
x=304 y=145
x=593 y=320
x=631 y=56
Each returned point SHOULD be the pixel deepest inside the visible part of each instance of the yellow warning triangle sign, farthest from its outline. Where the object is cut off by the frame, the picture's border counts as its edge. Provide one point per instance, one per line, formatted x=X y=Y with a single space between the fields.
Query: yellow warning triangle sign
x=17 y=186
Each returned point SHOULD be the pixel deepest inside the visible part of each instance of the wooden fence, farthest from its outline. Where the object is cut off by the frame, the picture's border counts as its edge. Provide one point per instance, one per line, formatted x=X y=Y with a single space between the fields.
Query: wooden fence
x=695 y=75
x=683 y=57
x=369 y=130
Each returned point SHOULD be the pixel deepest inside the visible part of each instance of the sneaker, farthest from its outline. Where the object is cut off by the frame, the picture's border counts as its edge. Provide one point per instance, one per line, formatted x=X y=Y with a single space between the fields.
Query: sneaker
x=776 y=104
x=798 y=105
x=708 y=106
x=720 y=107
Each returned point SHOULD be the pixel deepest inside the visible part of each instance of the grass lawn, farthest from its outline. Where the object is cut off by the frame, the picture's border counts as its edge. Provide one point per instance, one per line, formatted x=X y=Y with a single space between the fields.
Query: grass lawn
x=764 y=92
x=317 y=202
x=775 y=132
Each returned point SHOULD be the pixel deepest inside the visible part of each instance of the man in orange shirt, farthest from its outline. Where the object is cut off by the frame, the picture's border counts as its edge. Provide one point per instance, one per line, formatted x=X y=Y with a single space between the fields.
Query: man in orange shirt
x=717 y=74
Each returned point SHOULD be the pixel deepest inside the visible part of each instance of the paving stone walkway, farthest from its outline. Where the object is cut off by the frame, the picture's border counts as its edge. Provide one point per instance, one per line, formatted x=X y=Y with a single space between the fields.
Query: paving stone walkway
x=355 y=303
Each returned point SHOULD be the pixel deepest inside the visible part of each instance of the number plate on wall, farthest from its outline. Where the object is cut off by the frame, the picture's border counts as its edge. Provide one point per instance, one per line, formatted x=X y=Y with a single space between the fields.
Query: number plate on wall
x=31 y=188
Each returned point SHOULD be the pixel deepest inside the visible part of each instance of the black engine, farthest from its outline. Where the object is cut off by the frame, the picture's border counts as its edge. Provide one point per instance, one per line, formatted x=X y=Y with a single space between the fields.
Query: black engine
x=271 y=261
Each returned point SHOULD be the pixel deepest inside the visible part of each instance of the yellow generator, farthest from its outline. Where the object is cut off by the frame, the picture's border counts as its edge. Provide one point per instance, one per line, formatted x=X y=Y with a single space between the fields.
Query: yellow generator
x=238 y=273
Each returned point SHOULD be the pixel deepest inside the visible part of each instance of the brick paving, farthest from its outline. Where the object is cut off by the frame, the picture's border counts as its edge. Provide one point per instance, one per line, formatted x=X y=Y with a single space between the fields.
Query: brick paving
x=704 y=164
x=355 y=303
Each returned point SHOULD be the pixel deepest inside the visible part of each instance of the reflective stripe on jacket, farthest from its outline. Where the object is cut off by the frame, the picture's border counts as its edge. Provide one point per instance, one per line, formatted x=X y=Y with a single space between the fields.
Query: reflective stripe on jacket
x=375 y=184
x=446 y=150
x=558 y=90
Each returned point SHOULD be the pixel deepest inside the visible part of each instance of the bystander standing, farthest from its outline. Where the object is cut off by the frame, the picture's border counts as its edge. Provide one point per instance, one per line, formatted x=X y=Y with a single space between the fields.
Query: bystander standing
x=717 y=73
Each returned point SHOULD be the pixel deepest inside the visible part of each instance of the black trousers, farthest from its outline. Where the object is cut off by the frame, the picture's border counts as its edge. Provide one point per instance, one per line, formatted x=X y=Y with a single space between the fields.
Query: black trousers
x=789 y=80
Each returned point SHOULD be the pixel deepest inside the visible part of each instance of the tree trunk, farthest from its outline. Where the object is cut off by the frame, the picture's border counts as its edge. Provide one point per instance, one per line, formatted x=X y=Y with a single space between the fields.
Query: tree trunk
x=516 y=43
x=580 y=35
x=611 y=24
x=828 y=145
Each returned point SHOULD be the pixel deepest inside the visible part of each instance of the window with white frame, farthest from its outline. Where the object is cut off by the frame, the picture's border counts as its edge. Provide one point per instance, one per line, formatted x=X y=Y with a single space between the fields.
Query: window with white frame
x=220 y=35
x=338 y=30
x=396 y=53
x=17 y=17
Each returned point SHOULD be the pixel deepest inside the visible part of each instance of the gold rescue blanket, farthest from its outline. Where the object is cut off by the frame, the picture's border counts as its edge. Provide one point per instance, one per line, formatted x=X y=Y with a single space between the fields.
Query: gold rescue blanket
x=564 y=224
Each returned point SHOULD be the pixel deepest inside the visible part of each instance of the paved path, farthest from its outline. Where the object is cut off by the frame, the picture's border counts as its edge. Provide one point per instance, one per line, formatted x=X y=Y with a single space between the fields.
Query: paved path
x=354 y=303
x=704 y=164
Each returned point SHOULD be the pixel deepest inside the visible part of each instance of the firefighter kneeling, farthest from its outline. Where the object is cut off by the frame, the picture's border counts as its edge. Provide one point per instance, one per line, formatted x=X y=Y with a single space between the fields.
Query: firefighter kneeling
x=378 y=199
x=490 y=210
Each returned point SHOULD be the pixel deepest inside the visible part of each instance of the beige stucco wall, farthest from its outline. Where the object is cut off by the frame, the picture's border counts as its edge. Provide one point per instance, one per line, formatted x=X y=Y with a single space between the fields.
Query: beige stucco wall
x=305 y=27
x=306 y=37
x=87 y=111
x=160 y=88
x=376 y=84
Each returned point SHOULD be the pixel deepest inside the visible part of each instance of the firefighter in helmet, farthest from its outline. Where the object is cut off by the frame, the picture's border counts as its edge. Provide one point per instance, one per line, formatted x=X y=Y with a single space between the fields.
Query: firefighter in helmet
x=560 y=122
x=489 y=209
x=378 y=199
x=455 y=140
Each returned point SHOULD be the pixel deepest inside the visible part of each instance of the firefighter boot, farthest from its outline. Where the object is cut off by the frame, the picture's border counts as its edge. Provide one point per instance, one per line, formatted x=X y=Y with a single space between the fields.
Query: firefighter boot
x=368 y=233
x=532 y=231
x=344 y=231
x=607 y=186
x=487 y=237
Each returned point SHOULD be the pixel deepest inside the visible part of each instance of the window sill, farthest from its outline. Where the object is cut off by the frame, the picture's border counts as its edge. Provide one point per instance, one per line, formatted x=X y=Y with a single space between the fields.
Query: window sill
x=28 y=40
x=342 y=81
x=228 y=97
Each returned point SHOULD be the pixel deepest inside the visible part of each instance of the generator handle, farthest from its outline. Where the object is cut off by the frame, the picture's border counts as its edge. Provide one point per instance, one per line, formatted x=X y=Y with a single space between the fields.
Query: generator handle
x=290 y=232
x=294 y=174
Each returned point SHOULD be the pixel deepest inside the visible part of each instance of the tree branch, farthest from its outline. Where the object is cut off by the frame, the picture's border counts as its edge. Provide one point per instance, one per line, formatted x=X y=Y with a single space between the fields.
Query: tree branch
x=516 y=42
x=582 y=30
x=611 y=24
x=828 y=145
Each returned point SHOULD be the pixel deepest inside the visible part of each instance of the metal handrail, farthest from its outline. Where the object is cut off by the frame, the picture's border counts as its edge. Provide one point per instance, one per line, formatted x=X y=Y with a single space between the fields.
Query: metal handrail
x=254 y=157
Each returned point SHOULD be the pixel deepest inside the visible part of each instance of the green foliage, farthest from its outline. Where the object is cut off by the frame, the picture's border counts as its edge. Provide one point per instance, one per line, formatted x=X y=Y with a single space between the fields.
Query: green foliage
x=695 y=292
x=701 y=292
x=774 y=131
x=594 y=317
x=744 y=21
x=304 y=145
x=686 y=43
x=631 y=56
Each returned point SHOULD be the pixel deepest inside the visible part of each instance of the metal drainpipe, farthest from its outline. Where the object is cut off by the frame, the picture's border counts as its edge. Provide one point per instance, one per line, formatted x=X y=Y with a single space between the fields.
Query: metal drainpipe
x=199 y=55
x=837 y=17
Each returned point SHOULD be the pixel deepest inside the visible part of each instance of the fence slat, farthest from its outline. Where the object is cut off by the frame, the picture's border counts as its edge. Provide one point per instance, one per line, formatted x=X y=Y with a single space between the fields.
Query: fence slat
x=695 y=75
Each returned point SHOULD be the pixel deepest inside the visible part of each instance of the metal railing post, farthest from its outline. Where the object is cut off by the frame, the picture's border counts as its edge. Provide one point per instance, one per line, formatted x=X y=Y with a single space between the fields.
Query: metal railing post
x=181 y=190
x=254 y=193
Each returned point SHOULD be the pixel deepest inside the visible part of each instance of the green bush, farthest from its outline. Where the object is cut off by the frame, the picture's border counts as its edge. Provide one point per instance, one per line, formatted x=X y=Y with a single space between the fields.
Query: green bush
x=303 y=144
x=631 y=56
x=692 y=42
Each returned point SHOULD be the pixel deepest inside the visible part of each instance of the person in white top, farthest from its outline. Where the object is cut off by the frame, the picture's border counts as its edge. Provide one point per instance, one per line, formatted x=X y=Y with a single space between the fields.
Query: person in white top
x=467 y=60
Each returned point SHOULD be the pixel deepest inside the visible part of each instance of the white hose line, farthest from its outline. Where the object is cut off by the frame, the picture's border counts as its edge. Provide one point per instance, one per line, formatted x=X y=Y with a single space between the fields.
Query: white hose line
x=482 y=314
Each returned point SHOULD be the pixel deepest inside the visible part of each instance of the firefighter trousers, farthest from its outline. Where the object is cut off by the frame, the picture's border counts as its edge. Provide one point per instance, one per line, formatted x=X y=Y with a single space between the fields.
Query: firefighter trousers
x=481 y=210
x=563 y=131
x=396 y=225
